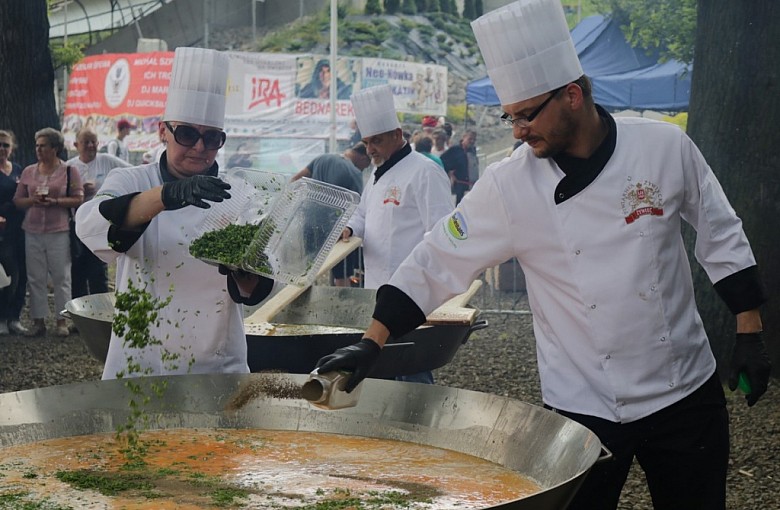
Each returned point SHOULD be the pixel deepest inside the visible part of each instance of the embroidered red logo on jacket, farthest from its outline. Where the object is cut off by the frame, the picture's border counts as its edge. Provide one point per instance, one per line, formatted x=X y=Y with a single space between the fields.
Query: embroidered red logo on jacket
x=642 y=199
x=392 y=196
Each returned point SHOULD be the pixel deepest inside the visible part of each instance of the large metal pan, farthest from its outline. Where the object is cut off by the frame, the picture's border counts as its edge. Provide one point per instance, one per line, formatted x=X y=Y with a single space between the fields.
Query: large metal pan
x=297 y=349
x=552 y=450
x=426 y=348
x=324 y=318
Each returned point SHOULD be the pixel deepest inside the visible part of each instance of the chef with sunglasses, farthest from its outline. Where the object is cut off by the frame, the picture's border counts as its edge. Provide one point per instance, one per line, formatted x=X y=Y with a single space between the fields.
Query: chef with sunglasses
x=145 y=218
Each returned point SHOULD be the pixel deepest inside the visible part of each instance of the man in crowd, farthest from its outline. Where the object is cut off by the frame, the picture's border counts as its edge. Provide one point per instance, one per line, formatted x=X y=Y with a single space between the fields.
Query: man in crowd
x=342 y=170
x=592 y=207
x=88 y=273
x=460 y=162
x=117 y=147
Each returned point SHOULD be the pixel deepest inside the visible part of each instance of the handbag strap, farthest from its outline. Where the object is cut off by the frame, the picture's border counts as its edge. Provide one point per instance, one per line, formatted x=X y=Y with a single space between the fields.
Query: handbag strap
x=67 y=189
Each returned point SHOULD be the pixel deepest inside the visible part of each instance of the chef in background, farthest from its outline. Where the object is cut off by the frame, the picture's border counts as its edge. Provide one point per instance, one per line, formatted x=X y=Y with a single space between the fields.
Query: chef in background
x=405 y=196
x=145 y=218
x=592 y=208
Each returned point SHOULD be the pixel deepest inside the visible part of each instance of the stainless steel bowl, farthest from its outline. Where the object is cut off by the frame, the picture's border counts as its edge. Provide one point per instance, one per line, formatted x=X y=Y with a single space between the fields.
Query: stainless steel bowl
x=546 y=447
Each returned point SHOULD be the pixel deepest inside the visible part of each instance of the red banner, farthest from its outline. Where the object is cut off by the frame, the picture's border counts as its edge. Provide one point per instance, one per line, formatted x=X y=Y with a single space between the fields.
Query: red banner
x=105 y=88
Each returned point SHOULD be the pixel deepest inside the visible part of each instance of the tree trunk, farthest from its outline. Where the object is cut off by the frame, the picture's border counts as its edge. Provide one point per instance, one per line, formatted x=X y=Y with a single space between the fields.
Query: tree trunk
x=27 y=81
x=734 y=108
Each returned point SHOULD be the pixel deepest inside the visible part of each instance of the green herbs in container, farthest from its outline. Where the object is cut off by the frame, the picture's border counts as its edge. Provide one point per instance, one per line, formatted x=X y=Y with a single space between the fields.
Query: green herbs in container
x=226 y=246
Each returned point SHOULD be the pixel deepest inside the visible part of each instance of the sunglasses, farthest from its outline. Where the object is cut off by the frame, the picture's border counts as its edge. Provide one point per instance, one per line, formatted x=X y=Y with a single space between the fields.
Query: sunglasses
x=188 y=136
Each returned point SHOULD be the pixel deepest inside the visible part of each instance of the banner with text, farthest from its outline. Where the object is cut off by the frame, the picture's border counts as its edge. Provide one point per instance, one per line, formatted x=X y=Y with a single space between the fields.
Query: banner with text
x=278 y=106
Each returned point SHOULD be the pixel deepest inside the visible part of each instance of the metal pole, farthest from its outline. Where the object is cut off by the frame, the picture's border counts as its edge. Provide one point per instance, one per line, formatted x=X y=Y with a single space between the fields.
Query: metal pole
x=61 y=106
x=205 y=24
x=254 y=20
x=334 y=18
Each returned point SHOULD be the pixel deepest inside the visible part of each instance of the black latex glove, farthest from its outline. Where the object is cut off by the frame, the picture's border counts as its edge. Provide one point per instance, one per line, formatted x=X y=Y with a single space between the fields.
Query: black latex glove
x=357 y=358
x=262 y=286
x=750 y=356
x=195 y=191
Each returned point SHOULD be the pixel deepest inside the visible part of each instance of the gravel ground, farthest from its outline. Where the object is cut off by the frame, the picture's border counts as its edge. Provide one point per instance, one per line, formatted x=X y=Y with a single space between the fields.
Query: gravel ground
x=499 y=360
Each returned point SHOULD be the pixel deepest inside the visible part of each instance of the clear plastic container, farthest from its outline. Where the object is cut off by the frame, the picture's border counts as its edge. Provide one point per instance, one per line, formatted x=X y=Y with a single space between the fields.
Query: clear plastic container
x=304 y=223
x=299 y=222
x=251 y=198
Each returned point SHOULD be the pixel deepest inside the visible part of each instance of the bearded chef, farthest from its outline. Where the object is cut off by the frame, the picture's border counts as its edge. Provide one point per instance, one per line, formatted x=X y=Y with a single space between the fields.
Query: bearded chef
x=404 y=197
x=145 y=218
x=592 y=207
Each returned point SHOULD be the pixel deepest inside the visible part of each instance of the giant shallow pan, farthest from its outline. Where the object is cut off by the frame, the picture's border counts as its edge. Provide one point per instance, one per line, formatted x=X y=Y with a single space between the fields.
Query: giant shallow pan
x=314 y=325
x=550 y=449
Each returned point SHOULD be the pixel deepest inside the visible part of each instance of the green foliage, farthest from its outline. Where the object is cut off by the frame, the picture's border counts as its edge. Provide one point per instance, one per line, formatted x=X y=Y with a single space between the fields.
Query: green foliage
x=666 y=26
x=300 y=36
x=392 y=6
x=426 y=30
x=374 y=32
x=456 y=113
x=407 y=25
x=66 y=54
x=449 y=7
x=681 y=119
x=409 y=7
x=469 y=9
x=373 y=7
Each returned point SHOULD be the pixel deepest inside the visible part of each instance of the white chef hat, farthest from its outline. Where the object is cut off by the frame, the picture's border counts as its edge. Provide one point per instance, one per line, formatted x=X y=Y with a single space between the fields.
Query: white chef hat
x=375 y=110
x=527 y=49
x=198 y=87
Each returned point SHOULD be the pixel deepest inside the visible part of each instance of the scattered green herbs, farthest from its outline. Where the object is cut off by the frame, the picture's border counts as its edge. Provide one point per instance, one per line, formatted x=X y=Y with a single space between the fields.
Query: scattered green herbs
x=22 y=501
x=106 y=483
x=225 y=496
x=135 y=310
x=149 y=484
x=227 y=245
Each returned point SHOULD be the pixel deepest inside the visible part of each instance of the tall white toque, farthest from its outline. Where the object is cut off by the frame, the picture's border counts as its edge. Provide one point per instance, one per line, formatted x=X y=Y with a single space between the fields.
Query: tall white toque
x=198 y=87
x=527 y=49
x=375 y=110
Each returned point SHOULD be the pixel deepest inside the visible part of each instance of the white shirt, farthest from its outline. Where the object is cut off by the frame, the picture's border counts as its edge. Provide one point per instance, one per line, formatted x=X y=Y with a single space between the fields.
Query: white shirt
x=96 y=170
x=118 y=148
x=395 y=212
x=617 y=331
x=201 y=323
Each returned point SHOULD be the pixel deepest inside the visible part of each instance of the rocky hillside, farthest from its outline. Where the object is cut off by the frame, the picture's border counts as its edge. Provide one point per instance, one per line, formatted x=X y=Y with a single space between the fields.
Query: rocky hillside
x=436 y=38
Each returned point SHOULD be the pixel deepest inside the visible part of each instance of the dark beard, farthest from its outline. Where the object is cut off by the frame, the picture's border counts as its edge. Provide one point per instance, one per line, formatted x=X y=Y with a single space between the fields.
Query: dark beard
x=560 y=136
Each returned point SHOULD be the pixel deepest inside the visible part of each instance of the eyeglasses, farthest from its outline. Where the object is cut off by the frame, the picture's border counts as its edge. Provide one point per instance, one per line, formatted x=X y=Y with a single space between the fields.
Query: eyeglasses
x=526 y=121
x=188 y=136
x=5 y=145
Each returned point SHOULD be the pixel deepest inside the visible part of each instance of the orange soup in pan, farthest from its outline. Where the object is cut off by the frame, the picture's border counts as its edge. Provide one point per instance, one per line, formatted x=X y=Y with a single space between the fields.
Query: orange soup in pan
x=251 y=468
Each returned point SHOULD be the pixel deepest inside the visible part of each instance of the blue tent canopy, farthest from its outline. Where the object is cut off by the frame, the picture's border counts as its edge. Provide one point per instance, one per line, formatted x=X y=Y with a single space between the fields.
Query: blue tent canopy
x=623 y=77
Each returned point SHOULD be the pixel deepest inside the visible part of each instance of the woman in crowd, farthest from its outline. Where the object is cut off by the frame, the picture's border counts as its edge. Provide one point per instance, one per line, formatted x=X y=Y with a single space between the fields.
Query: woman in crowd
x=44 y=192
x=11 y=240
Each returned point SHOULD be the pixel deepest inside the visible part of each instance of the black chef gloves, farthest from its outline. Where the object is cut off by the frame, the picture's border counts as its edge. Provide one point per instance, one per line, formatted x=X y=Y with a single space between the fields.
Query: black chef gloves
x=195 y=190
x=357 y=358
x=750 y=357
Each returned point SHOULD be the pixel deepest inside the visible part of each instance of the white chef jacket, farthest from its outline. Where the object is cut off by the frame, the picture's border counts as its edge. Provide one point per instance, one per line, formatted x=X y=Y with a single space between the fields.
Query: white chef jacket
x=617 y=332
x=396 y=211
x=202 y=323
